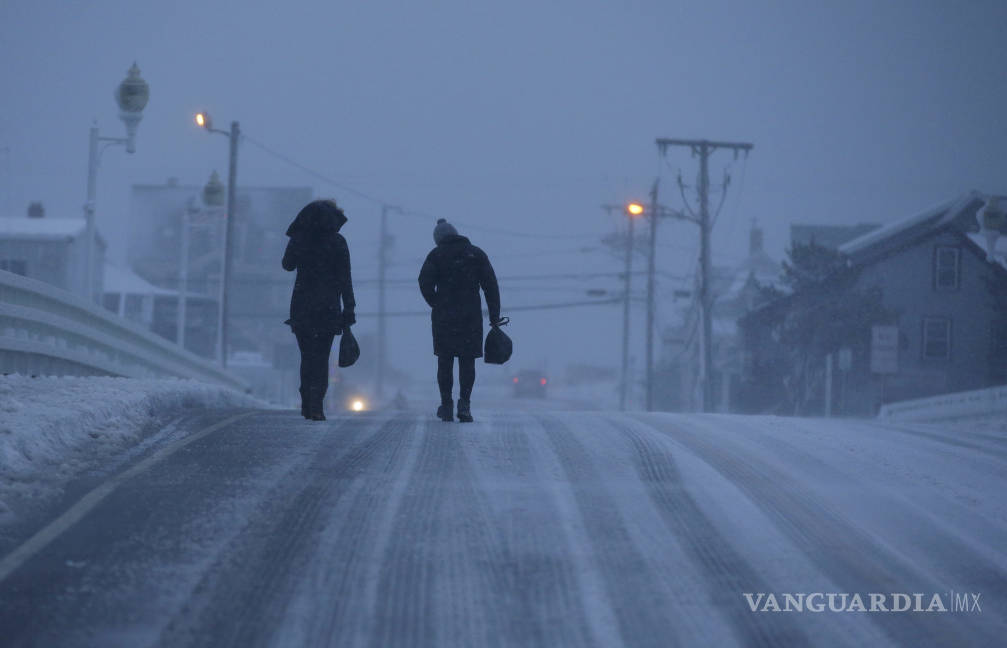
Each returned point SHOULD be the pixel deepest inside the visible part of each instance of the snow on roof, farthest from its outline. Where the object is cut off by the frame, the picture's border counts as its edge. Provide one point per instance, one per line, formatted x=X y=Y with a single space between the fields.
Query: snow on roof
x=124 y=281
x=932 y=218
x=999 y=251
x=41 y=228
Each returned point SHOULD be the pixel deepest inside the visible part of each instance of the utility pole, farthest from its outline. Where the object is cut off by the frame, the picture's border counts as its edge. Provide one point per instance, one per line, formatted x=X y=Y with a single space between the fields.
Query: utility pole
x=231 y=216
x=624 y=386
x=632 y=211
x=704 y=148
x=382 y=264
x=651 y=306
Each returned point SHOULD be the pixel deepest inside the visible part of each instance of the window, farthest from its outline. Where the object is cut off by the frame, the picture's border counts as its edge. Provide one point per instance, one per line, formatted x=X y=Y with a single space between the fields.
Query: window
x=936 y=337
x=16 y=266
x=946 y=265
x=111 y=301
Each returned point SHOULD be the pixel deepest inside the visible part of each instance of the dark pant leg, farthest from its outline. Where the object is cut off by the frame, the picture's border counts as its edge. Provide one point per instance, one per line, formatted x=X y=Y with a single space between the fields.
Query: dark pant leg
x=445 y=380
x=304 y=345
x=466 y=377
x=322 y=349
x=315 y=349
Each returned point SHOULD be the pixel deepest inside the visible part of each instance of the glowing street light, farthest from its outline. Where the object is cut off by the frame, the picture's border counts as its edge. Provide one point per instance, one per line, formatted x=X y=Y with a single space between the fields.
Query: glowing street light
x=203 y=120
x=634 y=209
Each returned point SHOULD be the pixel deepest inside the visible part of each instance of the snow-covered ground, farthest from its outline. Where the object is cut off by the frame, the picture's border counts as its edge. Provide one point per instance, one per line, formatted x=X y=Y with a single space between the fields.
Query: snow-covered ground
x=532 y=528
x=48 y=425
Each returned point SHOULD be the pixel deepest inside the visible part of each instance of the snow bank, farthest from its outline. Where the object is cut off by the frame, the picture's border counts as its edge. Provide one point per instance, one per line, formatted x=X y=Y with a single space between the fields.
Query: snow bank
x=985 y=403
x=47 y=424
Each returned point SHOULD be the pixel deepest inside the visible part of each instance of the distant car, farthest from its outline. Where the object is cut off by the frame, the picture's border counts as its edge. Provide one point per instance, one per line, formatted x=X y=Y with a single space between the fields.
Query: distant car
x=530 y=384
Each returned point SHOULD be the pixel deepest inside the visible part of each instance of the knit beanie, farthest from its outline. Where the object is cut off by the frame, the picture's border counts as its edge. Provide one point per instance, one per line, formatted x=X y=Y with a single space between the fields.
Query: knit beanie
x=443 y=230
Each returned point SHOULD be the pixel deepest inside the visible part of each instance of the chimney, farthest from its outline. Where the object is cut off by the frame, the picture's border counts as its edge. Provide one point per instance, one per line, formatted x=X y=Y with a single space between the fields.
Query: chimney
x=36 y=210
x=755 y=240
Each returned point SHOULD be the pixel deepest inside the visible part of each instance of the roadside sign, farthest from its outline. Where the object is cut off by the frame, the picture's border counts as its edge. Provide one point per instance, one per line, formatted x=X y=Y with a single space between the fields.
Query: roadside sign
x=884 y=349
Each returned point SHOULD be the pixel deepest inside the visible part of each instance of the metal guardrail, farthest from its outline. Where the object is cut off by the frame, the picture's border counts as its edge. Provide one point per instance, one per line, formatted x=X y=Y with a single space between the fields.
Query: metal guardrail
x=959 y=405
x=48 y=331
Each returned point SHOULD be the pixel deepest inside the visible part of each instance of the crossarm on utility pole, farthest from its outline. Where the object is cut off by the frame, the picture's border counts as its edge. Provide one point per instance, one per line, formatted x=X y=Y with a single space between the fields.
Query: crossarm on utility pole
x=704 y=148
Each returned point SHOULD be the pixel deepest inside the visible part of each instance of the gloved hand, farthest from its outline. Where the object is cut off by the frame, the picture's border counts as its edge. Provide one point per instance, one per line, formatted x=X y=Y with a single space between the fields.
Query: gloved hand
x=349 y=318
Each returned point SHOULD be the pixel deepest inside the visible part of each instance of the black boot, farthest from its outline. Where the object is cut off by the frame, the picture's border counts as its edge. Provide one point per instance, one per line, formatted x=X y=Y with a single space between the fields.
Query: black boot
x=464 y=413
x=316 y=409
x=444 y=411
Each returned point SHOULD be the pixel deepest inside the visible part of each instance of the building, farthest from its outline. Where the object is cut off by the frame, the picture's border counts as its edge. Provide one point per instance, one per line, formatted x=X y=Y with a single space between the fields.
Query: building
x=735 y=291
x=260 y=286
x=53 y=250
x=132 y=297
x=947 y=331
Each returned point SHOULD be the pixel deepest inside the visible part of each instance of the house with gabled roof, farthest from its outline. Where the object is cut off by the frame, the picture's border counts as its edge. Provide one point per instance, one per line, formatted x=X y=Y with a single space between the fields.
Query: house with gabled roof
x=735 y=291
x=53 y=250
x=948 y=328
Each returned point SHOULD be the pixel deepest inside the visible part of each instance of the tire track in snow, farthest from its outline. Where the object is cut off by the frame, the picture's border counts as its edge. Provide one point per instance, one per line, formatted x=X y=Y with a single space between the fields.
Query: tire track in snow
x=849 y=556
x=920 y=532
x=727 y=573
x=535 y=587
x=444 y=580
x=632 y=590
x=265 y=561
x=340 y=590
x=140 y=552
x=945 y=439
x=404 y=606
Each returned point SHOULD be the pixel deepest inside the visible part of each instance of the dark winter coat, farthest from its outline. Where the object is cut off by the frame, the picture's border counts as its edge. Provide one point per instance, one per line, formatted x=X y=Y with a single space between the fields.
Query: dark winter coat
x=450 y=280
x=322 y=259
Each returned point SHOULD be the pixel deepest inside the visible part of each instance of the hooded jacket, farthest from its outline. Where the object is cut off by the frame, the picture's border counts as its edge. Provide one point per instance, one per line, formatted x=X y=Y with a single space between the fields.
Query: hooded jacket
x=322 y=300
x=450 y=280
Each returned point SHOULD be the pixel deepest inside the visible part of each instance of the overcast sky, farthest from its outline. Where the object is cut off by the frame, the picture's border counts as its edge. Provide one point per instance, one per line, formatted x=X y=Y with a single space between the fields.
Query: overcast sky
x=523 y=116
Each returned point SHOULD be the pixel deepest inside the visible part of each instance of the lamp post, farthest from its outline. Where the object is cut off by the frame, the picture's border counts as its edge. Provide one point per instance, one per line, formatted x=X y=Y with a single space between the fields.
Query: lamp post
x=633 y=211
x=131 y=95
x=655 y=211
x=203 y=121
x=212 y=196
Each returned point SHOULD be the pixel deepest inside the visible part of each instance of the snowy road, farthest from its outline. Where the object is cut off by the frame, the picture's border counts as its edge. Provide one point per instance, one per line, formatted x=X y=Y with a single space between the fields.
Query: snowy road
x=524 y=529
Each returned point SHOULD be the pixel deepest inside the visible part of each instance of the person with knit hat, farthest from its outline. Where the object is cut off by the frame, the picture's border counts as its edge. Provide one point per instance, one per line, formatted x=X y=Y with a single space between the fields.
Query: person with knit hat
x=450 y=280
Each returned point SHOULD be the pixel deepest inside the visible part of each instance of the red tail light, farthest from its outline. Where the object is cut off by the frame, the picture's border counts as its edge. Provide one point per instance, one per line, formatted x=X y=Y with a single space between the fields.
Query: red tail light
x=515 y=380
x=543 y=381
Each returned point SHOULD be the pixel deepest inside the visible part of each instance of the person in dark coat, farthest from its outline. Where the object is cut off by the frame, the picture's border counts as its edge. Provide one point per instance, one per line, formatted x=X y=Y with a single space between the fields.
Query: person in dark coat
x=450 y=280
x=322 y=259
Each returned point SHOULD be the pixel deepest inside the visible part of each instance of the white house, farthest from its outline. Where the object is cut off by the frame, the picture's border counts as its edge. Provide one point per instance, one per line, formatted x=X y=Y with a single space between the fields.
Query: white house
x=53 y=250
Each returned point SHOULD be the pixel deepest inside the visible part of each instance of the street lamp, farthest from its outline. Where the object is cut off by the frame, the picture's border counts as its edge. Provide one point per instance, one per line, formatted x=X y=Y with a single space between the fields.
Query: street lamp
x=653 y=212
x=633 y=210
x=213 y=197
x=204 y=121
x=131 y=95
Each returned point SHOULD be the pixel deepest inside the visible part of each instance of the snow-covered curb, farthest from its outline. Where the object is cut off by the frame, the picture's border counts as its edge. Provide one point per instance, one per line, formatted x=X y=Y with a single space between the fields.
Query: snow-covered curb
x=47 y=422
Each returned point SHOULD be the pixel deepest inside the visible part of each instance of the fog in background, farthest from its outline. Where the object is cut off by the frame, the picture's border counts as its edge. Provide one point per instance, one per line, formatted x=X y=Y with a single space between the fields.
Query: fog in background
x=516 y=121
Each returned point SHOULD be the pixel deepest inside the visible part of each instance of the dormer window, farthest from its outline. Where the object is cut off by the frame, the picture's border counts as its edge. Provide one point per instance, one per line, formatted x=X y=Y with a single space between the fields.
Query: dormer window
x=947 y=264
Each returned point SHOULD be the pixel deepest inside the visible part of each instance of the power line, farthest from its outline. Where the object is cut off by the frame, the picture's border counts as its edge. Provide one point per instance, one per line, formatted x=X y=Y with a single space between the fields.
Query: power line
x=406 y=212
x=311 y=172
